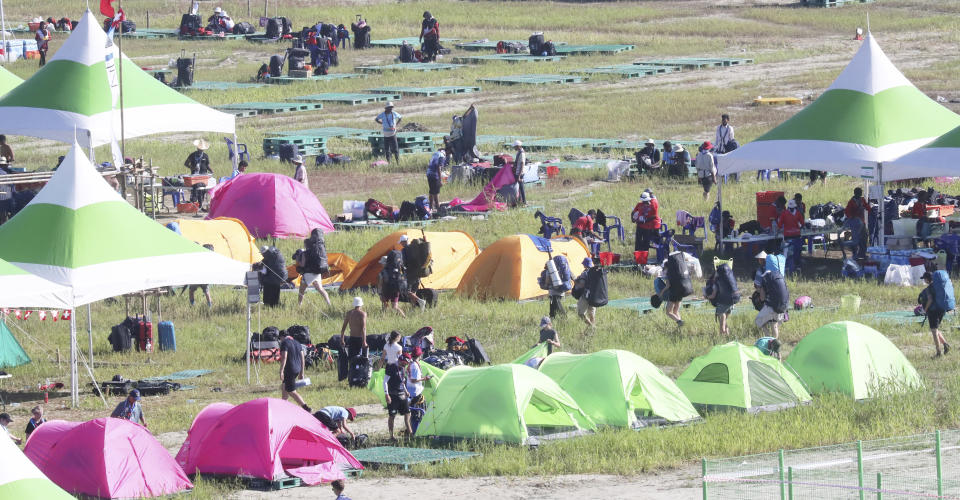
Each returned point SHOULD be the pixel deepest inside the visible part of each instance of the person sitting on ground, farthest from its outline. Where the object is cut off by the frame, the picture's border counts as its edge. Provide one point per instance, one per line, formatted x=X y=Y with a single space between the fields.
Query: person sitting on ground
x=666 y=160
x=706 y=168
x=130 y=409
x=335 y=418
x=36 y=419
x=548 y=334
x=5 y=421
x=396 y=395
x=585 y=311
x=646 y=215
x=337 y=484
x=934 y=314
x=648 y=158
x=769 y=346
x=314 y=265
x=356 y=319
x=681 y=161
x=292 y=362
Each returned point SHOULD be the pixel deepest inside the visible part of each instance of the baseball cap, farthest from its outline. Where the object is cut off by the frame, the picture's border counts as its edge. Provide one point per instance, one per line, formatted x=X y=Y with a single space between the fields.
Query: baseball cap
x=353 y=414
x=544 y=321
x=357 y=302
x=587 y=262
x=135 y=393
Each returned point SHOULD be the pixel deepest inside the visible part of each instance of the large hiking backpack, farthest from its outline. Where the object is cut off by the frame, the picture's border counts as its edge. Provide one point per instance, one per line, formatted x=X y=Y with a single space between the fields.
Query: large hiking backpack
x=128 y=26
x=276 y=66
x=296 y=59
x=300 y=333
x=408 y=211
x=596 y=289
x=726 y=285
x=548 y=49
x=286 y=27
x=184 y=72
x=563 y=269
x=315 y=254
x=189 y=24
x=477 y=352
x=393 y=272
x=423 y=207
x=243 y=29
x=274 y=27
x=535 y=43
x=419 y=258
x=359 y=371
x=121 y=336
x=777 y=296
x=678 y=274
x=276 y=267
x=943 y=291
x=406 y=53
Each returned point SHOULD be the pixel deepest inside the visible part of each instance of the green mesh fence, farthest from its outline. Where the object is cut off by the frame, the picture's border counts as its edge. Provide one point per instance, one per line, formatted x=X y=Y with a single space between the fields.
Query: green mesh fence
x=920 y=466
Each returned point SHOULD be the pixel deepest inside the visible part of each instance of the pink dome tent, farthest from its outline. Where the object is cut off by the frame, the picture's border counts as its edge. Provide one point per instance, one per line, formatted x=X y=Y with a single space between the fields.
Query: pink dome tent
x=270 y=205
x=266 y=438
x=105 y=458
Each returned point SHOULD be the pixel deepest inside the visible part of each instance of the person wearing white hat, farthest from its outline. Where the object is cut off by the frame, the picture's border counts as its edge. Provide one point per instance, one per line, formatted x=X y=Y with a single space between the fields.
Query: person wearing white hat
x=198 y=163
x=519 y=162
x=646 y=215
x=761 y=267
x=648 y=158
x=389 y=119
x=300 y=174
x=356 y=320
x=681 y=161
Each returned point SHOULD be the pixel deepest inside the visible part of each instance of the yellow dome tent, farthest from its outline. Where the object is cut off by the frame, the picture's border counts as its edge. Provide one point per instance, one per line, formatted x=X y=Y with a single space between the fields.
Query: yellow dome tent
x=228 y=236
x=452 y=251
x=509 y=268
x=340 y=267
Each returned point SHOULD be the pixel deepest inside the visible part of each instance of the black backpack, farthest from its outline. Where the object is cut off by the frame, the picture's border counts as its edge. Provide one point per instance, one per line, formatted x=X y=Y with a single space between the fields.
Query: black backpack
x=596 y=288
x=406 y=53
x=678 y=276
x=243 y=29
x=189 y=24
x=393 y=270
x=726 y=284
x=777 y=296
x=300 y=333
x=408 y=211
x=128 y=26
x=273 y=28
x=417 y=257
x=535 y=43
x=270 y=334
x=276 y=66
x=287 y=26
x=360 y=371
x=121 y=336
x=322 y=68
x=477 y=352
x=751 y=226
x=276 y=267
x=549 y=49
x=316 y=253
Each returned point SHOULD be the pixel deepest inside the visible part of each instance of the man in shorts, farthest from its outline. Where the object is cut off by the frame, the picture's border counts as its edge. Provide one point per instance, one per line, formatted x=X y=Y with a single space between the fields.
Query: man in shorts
x=706 y=168
x=291 y=369
x=934 y=315
x=335 y=418
x=356 y=319
x=398 y=402
x=389 y=292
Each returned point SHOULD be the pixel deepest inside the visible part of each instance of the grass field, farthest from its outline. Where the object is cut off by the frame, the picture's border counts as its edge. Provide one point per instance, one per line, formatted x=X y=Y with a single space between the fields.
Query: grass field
x=797 y=51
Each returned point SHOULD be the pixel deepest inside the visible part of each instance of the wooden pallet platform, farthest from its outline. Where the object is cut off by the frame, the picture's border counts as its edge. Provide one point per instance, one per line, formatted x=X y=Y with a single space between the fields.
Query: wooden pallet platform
x=268 y=108
x=425 y=91
x=478 y=45
x=241 y=113
x=284 y=80
x=352 y=99
x=623 y=144
x=262 y=38
x=217 y=85
x=502 y=140
x=623 y=70
x=776 y=101
x=412 y=40
x=257 y=483
x=325 y=133
x=408 y=67
x=511 y=58
x=405 y=457
x=150 y=34
x=562 y=142
x=211 y=38
x=592 y=49
x=696 y=62
x=533 y=79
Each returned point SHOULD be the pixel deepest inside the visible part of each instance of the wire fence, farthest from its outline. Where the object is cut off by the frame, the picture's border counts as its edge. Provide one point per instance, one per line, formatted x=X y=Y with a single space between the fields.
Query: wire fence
x=919 y=466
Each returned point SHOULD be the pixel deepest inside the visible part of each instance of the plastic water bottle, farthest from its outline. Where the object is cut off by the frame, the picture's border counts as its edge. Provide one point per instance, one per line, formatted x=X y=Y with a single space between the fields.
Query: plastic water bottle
x=149 y=346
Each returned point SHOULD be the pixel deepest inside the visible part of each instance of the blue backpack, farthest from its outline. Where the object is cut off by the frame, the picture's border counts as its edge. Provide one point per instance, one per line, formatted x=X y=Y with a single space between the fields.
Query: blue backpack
x=943 y=291
x=563 y=269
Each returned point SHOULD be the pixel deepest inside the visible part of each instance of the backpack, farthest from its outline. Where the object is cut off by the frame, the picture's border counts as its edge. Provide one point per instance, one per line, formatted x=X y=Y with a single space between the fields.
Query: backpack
x=678 y=274
x=406 y=53
x=776 y=290
x=393 y=274
x=270 y=333
x=596 y=291
x=243 y=29
x=315 y=254
x=477 y=352
x=534 y=43
x=563 y=269
x=300 y=333
x=263 y=72
x=579 y=286
x=273 y=28
x=423 y=207
x=726 y=283
x=360 y=371
x=408 y=211
x=751 y=226
x=548 y=49
x=128 y=26
x=420 y=258
x=276 y=267
x=323 y=68
x=189 y=24
x=276 y=65
x=943 y=291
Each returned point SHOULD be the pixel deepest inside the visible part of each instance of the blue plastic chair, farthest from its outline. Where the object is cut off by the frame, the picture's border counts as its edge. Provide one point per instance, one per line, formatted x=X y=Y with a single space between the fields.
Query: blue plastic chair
x=616 y=225
x=550 y=226
x=242 y=148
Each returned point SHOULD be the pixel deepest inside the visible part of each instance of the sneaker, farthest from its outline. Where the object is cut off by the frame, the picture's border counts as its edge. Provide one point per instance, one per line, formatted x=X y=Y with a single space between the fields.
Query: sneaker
x=946 y=348
x=422 y=303
x=305 y=407
x=679 y=323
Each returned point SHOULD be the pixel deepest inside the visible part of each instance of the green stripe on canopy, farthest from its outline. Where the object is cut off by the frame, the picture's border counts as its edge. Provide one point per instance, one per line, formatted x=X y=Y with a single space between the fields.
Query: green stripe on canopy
x=90 y=94
x=33 y=488
x=8 y=81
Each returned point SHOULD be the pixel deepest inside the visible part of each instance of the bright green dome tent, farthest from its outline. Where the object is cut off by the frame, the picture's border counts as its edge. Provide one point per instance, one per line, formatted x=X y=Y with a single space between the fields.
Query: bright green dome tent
x=617 y=388
x=503 y=403
x=8 y=81
x=853 y=359
x=733 y=375
x=376 y=382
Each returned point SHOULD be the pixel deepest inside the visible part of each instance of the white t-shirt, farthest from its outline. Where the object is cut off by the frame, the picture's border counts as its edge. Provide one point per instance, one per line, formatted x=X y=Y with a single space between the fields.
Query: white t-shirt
x=391 y=353
x=414 y=388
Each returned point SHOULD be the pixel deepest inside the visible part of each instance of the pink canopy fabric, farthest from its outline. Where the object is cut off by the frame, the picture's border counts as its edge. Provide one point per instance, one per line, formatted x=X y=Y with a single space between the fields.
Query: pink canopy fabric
x=106 y=458
x=270 y=205
x=485 y=200
x=266 y=438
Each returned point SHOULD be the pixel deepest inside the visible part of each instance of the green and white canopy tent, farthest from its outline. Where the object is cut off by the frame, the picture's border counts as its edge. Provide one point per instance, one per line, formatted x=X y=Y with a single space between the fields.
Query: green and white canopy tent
x=78 y=232
x=940 y=158
x=869 y=115
x=19 y=478
x=72 y=92
x=19 y=288
x=8 y=80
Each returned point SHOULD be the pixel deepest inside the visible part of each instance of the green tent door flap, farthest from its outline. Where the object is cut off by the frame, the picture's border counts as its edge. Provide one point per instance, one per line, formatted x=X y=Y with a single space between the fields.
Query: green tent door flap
x=714 y=373
x=768 y=390
x=11 y=353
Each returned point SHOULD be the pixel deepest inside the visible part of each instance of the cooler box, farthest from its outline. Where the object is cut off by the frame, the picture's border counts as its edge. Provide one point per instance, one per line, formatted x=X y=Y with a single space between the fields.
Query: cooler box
x=190 y=180
x=766 y=211
x=168 y=337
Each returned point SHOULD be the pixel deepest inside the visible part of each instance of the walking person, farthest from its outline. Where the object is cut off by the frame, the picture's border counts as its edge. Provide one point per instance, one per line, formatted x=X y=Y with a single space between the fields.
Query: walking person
x=429 y=37
x=291 y=370
x=411 y=271
x=585 y=311
x=557 y=286
x=519 y=162
x=42 y=36
x=5 y=421
x=434 y=183
x=390 y=119
x=315 y=265
x=774 y=295
x=706 y=168
x=548 y=334
x=725 y=140
x=396 y=395
x=130 y=409
x=646 y=215
x=934 y=310
x=300 y=172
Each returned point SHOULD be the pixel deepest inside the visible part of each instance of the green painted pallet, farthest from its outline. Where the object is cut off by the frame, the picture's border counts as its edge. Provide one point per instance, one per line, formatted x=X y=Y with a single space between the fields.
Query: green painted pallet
x=352 y=99
x=208 y=38
x=261 y=38
x=502 y=139
x=150 y=34
x=425 y=91
x=512 y=58
x=380 y=224
x=284 y=80
x=405 y=457
x=218 y=85
x=257 y=483
x=623 y=70
x=268 y=108
x=241 y=113
x=562 y=142
x=326 y=133
x=533 y=79
x=407 y=67
x=696 y=62
x=592 y=49
x=574 y=164
x=479 y=45
x=615 y=144
x=412 y=40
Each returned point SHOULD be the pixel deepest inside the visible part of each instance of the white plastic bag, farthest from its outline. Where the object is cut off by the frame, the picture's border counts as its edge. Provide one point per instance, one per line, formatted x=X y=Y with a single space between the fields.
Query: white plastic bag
x=693 y=265
x=617 y=169
x=897 y=275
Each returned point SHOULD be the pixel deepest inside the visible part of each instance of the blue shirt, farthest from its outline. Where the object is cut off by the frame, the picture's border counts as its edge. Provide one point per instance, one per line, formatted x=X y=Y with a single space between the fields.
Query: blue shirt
x=436 y=162
x=125 y=410
x=389 y=121
x=336 y=412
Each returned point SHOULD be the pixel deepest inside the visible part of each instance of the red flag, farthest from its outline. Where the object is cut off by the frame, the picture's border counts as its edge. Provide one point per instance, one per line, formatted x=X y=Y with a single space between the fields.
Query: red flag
x=42 y=314
x=26 y=314
x=106 y=8
x=17 y=314
x=54 y=314
x=66 y=314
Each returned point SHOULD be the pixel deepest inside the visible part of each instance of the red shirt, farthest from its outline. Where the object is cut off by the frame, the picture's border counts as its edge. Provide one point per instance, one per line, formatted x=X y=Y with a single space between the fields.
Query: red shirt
x=790 y=223
x=649 y=212
x=857 y=209
x=583 y=224
x=919 y=210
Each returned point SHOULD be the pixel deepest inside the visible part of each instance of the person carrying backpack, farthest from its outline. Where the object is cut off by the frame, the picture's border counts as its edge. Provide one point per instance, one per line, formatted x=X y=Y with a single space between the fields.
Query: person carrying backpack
x=676 y=277
x=937 y=301
x=314 y=265
x=722 y=292
x=775 y=297
x=557 y=279
x=391 y=281
x=429 y=37
x=411 y=273
x=586 y=312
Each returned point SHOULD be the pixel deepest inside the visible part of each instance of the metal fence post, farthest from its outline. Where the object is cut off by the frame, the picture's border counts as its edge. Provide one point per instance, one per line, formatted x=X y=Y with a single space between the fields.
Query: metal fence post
x=703 y=466
x=879 y=486
x=860 y=467
x=783 y=493
x=939 y=465
x=790 y=483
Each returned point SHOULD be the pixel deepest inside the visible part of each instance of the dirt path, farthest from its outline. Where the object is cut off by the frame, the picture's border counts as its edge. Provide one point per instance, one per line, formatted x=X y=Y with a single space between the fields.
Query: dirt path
x=680 y=484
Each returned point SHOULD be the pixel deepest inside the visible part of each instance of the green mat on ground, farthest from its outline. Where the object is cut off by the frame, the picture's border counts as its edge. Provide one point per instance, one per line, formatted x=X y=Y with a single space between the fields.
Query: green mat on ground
x=182 y=375
x=642 y=304
x=533 y=79
x=895 y=316
x=405 y=457
x=412 y=40
x=592 y=49
x=513 y=58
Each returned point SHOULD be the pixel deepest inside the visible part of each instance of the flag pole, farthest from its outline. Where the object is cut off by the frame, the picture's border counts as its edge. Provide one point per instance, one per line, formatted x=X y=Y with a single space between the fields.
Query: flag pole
x=123 y=152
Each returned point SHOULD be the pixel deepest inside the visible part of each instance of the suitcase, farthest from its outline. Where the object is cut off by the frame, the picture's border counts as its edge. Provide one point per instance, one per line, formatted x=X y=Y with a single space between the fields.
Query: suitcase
x=343 y=365
x=361 y=369
x=298 y=73
x=267 y=351
x=156 y=388
x=145 y=336
x=168 y=336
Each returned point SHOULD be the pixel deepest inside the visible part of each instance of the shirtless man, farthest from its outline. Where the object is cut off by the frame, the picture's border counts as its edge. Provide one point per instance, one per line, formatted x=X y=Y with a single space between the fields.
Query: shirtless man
x=356 y=319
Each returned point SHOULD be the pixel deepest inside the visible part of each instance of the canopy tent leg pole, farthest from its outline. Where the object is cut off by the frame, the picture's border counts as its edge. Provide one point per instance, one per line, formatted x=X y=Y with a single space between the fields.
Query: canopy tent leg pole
x=74 y=390
x=249 y=312
x=719 y=232
x=236 y=152
x=90 y=332
x=3 y=33
x=883 y=191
